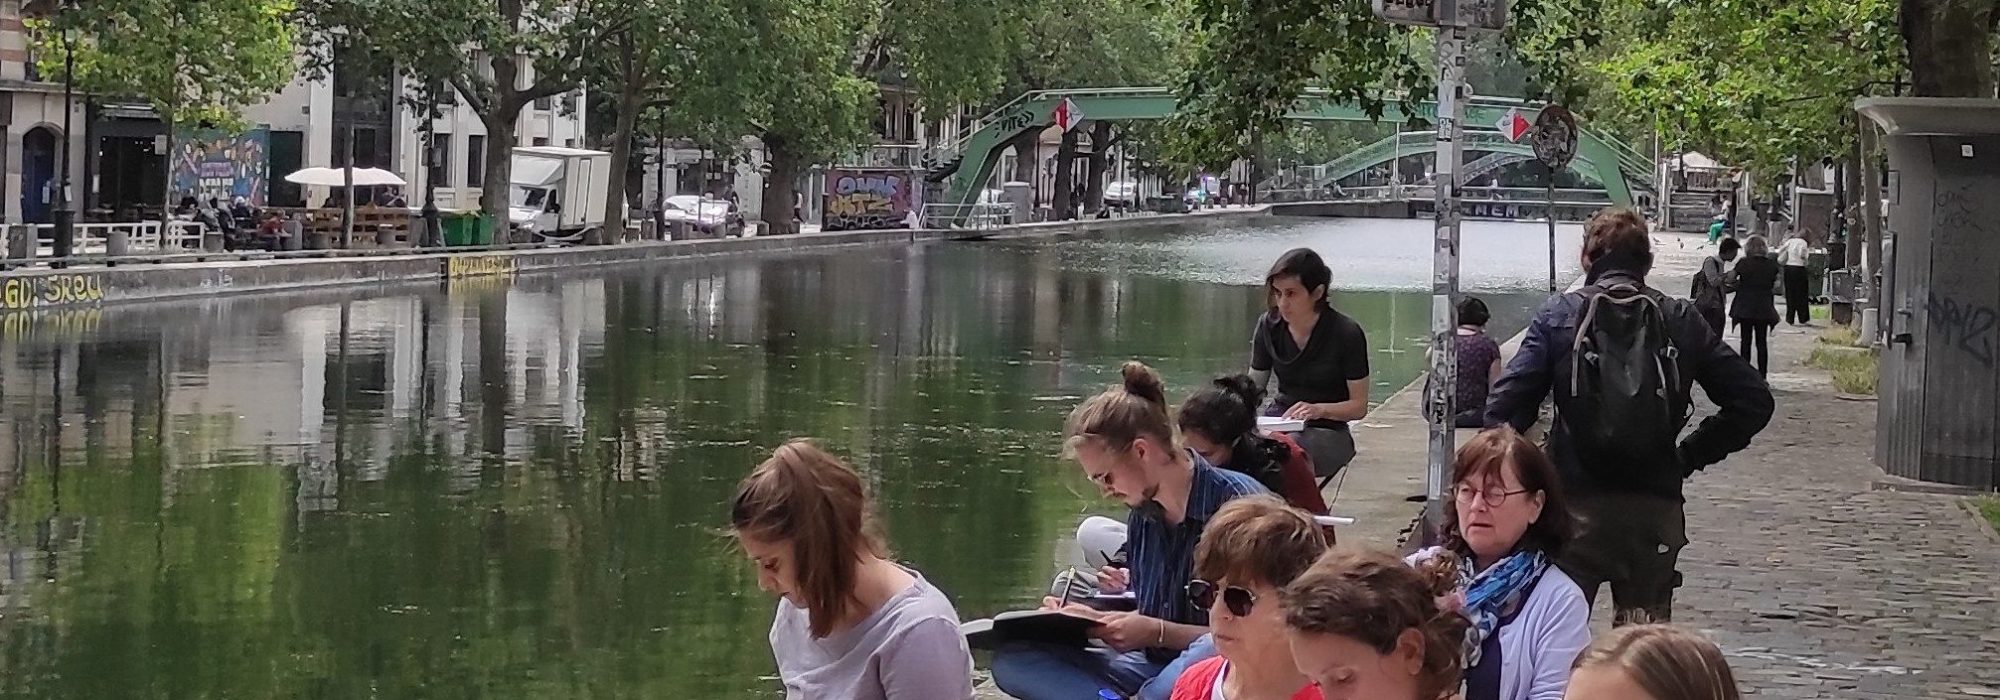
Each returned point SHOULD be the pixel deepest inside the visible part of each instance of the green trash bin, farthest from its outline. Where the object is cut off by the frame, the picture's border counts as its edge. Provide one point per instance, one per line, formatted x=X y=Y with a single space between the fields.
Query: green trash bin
x=1816 y=274
x=466 y=228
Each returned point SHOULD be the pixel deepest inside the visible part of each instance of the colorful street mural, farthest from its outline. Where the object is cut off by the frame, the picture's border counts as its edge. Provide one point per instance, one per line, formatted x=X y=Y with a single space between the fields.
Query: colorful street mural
x=221 y=165
x=870 y=198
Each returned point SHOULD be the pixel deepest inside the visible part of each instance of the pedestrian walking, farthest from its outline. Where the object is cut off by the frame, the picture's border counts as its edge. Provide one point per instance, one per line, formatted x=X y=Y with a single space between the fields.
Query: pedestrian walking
x=1755 y=311
x=1710 y=291
x=1622 y=359
x=1792 y=254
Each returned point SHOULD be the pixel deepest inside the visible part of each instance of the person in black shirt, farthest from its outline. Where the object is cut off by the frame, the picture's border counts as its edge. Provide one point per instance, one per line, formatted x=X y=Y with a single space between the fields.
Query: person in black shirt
x=1319 y=355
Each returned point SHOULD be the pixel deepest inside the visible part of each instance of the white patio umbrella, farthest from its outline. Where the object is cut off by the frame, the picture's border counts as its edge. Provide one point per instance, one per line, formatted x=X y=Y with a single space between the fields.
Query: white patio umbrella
x=334 y=177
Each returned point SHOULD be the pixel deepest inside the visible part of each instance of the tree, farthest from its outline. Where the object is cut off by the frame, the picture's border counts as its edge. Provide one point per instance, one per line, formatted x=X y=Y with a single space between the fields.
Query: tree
x=484 y=50
x=196 y=63
x=1950 y=45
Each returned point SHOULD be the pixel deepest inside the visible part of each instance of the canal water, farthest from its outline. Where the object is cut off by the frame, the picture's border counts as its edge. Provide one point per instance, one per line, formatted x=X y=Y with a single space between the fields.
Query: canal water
x=514 y=489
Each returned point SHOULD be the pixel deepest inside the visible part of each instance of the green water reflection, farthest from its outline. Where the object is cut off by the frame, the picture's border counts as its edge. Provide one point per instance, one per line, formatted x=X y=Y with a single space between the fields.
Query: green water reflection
x=512 y=491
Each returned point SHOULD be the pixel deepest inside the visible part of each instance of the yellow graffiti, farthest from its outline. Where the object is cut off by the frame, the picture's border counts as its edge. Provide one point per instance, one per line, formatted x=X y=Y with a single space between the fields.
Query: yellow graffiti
x=478 y=266
x=859 y=205
x=50 y=290
x=26 y=325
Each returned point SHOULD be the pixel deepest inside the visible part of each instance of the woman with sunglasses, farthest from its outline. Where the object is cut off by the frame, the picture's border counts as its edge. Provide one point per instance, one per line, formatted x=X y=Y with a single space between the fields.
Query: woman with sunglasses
x=1254 y=547
x=1506 y=528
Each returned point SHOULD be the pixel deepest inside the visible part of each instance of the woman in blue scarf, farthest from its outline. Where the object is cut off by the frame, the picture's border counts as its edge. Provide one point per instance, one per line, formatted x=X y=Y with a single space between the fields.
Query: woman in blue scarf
x=1507 y=526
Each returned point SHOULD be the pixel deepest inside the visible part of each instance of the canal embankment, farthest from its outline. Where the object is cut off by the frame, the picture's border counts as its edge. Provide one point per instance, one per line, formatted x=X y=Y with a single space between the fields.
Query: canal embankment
x=33 y=289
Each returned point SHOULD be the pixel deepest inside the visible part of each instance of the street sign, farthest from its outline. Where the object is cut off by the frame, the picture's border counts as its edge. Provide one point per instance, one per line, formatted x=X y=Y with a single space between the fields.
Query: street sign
x=1554 y=137
x=1473 y=14
x=1514 y=126
x=1068 y=115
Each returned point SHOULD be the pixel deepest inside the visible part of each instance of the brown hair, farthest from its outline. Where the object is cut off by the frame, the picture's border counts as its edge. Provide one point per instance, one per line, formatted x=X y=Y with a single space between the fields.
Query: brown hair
x=816 y=503
x=1618 y=234
x=1258 y=539
x=1373 y=598
x=1113 y=420
x=1670 y=663
x=1487 y=455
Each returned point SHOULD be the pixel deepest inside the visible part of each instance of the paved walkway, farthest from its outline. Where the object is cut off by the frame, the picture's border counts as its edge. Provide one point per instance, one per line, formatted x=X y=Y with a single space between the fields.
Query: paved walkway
x=1817 y=576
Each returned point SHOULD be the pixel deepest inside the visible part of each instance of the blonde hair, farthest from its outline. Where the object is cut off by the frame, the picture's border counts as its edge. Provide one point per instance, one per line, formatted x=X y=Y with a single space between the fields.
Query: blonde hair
x=1670 y=663
x=817 y=505
x=1258 y=539
x=1114 y=419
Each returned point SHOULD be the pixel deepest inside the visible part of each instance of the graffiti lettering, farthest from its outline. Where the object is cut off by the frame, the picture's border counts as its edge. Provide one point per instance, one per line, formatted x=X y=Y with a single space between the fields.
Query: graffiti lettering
x=23 y=325
x=50 y=290
x=860 y=200
x=478 y=265
x=1015 y=121
x=1971 y=326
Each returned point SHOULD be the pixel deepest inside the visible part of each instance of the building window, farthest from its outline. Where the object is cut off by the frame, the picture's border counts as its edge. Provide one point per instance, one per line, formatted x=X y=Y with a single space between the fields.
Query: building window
x=541 y=141
x=440 y=160
x=544 y=103
x=569 y=143
x=475 y=161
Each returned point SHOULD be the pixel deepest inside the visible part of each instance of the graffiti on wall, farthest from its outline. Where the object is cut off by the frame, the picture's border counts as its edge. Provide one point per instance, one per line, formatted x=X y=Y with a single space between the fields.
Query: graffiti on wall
x=50 y=290
x=223 y=166
x=859 y=199
x=459 y=266
x=1964 y=325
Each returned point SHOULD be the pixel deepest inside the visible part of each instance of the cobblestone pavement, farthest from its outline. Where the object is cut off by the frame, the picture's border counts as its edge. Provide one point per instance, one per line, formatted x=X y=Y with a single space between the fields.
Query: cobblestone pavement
x=1819 y=577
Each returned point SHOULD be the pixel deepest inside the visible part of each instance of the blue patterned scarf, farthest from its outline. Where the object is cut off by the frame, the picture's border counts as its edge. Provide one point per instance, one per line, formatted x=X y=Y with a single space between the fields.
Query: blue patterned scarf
x=1491 y=593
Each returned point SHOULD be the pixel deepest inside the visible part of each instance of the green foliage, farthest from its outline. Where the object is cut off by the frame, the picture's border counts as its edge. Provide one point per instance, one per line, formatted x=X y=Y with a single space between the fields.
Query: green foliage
x=1989 y=508
x=193 y=62
x=1855 y=370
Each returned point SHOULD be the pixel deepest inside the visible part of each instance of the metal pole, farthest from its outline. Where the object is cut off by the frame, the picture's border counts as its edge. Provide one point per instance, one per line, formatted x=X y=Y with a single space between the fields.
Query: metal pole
x=1552 y=228
x=430 y=213
x=1444 y=282
x=65 y=219
x=1878 y=278
x=347 y=191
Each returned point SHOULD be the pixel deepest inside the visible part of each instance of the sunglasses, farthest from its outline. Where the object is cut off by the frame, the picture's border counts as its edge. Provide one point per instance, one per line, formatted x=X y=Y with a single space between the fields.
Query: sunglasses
x=1238 y=599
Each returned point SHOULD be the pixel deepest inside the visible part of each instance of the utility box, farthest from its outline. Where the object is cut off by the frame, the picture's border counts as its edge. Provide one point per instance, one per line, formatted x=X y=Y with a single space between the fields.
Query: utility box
x=1939 y=410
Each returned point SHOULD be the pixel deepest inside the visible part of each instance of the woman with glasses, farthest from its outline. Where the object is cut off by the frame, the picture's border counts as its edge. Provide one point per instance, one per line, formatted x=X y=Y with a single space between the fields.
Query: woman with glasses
x=1254 y=547
x=1507 y=525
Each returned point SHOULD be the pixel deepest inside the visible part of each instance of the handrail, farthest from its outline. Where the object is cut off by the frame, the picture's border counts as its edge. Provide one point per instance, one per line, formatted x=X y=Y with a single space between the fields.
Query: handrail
x=18 y=264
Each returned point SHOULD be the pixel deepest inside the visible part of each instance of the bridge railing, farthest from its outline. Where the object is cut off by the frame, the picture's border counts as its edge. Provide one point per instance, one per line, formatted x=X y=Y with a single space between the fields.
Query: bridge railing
x=967 y=216
x=38 y=240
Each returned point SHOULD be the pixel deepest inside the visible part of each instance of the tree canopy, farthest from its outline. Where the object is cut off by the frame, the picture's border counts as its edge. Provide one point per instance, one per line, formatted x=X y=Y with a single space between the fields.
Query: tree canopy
x=193 y=62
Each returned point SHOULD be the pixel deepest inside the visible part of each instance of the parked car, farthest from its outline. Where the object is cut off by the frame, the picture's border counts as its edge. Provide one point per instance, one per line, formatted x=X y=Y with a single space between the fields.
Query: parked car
x=1122 y=193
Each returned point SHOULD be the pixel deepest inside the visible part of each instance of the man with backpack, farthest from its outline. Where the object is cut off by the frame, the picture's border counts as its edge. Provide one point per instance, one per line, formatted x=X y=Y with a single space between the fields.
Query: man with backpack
x=1710 y=292
x=1622 y=359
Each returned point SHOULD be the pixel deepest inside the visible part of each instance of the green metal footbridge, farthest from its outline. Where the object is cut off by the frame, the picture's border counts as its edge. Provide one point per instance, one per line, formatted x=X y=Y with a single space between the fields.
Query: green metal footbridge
x=967 y=162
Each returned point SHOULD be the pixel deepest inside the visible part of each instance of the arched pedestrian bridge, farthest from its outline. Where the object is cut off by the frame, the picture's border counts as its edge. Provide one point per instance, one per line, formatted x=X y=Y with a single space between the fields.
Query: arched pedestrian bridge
x=968 y=160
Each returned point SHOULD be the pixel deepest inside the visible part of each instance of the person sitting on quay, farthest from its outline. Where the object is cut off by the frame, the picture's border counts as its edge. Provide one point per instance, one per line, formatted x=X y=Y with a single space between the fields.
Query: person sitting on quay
x=1318 y=354
x=1504 y=532
x=1125 y=443
x=1219 y=422
x=1478 y=358
x=850 y=623
x=1363 y=626
x=1653 y=662
x=1255 y=546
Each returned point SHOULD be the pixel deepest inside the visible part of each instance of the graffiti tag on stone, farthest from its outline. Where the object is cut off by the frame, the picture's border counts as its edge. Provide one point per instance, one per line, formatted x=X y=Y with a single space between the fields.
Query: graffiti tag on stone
x=1968 y=327
x=50 y=290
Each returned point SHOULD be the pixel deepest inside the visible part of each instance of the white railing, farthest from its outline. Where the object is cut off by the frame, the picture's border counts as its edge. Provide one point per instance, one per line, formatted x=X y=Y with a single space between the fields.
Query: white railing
x=967 y=216
x=141 y=237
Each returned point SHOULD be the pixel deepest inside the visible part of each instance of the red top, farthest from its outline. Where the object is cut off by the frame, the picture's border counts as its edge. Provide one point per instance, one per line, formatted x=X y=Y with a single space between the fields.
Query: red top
x=1200 y=681
x=1301 y=488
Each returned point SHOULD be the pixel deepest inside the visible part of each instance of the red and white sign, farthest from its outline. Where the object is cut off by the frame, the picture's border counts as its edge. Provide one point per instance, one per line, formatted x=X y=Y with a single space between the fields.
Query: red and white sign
x=1514 y=126
x=1068 y=115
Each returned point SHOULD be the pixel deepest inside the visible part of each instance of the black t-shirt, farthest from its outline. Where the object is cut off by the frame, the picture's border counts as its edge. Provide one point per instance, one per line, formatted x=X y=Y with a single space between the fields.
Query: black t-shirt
x=1336 y=353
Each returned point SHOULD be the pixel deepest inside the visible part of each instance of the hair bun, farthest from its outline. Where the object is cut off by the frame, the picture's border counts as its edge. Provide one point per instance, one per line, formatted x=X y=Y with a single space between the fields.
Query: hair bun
x=1143 y=382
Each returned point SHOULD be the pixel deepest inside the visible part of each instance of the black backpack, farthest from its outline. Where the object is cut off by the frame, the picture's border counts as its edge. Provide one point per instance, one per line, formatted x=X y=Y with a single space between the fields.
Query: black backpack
x=1707 y=291
x=1627 y=403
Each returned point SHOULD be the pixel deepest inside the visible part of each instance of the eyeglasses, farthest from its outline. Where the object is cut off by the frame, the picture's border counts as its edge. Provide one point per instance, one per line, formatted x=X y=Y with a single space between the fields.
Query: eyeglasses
x=1238 y=599
x=1493 y=497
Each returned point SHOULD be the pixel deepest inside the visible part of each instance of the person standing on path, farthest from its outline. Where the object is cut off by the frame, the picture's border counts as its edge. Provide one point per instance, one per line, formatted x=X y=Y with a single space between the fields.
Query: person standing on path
x=1755 y=311
x=851 y=623
x=1793 y=255
x=1319 y=355
x=1624 y=479
x=1125 y=443
x=1710 y=291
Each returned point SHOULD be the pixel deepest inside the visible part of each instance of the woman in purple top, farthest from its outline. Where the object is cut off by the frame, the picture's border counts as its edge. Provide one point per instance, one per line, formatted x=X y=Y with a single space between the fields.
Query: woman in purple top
x=1478 y=362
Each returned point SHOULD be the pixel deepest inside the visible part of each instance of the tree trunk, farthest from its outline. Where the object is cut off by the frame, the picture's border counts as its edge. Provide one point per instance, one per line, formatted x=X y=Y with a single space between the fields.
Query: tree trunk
x=780 y=186
x=1100 y=166
x=500 y=135
x=630 y=104
x=1950 y=44
x=1026 y=155
x=1064 y=200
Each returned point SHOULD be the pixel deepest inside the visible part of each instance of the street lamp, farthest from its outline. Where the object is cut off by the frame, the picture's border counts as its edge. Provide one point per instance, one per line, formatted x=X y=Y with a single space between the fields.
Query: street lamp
x=65 y=219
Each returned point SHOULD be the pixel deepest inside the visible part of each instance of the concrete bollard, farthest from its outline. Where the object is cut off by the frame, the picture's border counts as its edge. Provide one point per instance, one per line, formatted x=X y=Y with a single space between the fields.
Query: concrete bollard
x=117 y=242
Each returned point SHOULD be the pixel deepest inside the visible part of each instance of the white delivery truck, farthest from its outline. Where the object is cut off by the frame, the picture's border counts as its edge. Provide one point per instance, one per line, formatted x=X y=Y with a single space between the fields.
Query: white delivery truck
x=558 y=193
